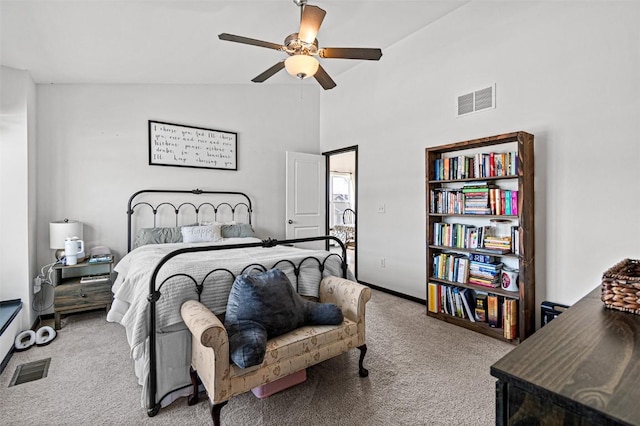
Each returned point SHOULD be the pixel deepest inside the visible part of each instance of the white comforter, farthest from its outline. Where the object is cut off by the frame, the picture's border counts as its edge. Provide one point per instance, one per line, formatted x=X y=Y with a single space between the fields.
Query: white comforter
x=130 y=306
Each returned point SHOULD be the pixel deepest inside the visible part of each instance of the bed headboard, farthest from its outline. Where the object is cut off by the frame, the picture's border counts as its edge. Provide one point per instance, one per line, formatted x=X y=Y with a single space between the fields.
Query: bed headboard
x=175 y=207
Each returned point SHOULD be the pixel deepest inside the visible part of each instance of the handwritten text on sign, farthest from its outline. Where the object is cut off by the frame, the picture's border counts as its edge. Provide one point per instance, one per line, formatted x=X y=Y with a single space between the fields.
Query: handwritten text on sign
x=176 y=145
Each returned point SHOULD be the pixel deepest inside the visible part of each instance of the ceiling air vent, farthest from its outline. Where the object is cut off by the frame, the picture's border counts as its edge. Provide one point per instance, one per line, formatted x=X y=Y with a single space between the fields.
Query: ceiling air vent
x=477 y=101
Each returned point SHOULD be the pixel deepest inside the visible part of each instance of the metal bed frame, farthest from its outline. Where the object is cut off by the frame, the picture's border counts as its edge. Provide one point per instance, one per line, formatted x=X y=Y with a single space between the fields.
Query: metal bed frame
x=153 y=403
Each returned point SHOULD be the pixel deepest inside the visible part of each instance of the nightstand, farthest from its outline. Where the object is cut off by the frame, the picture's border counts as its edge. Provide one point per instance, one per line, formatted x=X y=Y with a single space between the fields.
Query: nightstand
x=73 y=294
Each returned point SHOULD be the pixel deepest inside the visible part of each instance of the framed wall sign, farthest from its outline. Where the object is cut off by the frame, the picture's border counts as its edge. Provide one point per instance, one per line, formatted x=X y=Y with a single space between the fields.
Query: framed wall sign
x=187 y=146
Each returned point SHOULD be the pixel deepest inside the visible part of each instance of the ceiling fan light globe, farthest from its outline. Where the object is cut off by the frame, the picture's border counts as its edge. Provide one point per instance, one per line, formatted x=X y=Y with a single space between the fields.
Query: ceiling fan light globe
x=301 y=66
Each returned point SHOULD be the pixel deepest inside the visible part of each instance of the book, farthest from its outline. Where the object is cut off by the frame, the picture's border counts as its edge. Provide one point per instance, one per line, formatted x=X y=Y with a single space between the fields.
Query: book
x=433 y=297
x=483 y=258
x=507 y=202
x=101 y=259
x=515 y=240
x=444 y=303
x=494 y=311
x=450 y=304
x=492 y=164
x=510 y=316
x=469 y=302
x=493 y=250
x=484 y=282
x=481 y=307
x=458 y=303
x=463 y=270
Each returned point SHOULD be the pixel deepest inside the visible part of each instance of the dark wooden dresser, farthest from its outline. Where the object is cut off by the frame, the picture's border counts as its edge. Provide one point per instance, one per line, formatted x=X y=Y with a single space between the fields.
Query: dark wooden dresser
x=583 y=368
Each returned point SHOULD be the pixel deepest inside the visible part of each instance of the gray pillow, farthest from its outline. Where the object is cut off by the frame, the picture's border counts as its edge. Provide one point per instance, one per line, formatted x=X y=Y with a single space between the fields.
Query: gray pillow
x=158 y=236
x=240 y=230
x=265 y=305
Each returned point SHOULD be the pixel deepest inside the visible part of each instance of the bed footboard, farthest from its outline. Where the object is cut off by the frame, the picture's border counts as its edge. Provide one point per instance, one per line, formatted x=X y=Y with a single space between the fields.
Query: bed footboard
x=155 y=293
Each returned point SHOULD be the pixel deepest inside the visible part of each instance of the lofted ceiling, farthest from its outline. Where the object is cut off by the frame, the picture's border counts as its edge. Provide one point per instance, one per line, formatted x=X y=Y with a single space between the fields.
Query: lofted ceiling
x=176 y=41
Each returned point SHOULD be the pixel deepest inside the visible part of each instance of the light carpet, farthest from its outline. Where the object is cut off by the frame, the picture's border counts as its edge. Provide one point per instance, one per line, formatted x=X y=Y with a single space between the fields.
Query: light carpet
x=422 y=372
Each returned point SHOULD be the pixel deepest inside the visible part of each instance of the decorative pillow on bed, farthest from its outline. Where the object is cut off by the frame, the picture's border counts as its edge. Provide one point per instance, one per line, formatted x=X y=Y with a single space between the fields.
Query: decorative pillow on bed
x=198 y=234
x=239 y=230
x=158 y=236
x=265 y=305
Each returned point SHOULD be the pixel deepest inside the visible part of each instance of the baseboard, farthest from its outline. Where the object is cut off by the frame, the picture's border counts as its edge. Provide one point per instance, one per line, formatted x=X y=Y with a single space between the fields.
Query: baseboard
x=395 y=293
x=6 y=359
x=11 y=326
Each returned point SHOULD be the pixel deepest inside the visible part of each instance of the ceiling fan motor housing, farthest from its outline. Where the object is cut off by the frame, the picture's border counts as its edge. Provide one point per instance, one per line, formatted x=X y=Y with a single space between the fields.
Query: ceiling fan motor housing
x=294 y=46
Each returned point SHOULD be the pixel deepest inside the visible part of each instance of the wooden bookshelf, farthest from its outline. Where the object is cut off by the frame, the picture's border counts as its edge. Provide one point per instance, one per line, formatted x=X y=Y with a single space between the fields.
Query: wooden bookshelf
x=524 y=261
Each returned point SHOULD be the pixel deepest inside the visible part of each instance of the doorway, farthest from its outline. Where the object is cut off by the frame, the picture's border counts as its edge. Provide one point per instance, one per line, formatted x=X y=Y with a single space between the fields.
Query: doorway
x=342 y=201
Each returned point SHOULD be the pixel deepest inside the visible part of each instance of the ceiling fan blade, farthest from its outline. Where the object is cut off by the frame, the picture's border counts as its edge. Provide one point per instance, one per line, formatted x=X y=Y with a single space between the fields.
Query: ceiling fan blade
x=310 y=22
x=323 y=78
x=350 y=53
x=268 y=73
x=251 y=41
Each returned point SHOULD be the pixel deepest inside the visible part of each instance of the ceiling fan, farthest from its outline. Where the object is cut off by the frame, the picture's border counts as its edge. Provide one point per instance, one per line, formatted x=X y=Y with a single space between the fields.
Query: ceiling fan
x=302 y=47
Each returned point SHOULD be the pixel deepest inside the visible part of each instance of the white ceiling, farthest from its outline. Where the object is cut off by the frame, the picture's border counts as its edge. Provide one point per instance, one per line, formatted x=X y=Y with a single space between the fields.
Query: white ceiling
x=176 y=41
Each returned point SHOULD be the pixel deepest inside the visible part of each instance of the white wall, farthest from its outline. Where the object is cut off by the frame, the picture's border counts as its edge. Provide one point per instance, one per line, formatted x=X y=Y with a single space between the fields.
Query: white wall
x=93 y=150
x=565 y=71
x=18 y=189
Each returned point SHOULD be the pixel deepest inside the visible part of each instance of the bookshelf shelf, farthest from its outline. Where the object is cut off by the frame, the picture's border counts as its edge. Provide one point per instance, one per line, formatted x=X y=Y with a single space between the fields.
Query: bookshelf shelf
x=461 y=157
x=497 y=290
x=466 y=250
x=479 y=216
x=480 y=327
x=486 y=178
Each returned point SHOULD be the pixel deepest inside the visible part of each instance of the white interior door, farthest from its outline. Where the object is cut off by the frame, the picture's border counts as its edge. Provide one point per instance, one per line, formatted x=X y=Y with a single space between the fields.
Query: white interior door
x=305 y=196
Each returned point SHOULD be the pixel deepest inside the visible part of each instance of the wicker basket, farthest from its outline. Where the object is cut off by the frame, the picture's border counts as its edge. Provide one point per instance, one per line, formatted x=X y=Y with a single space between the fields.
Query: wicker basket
x=621 y=286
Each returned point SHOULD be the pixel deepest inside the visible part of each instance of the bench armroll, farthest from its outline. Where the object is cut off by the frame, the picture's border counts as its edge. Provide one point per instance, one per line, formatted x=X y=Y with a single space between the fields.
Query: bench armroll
x=209 y=348
x=350 y=297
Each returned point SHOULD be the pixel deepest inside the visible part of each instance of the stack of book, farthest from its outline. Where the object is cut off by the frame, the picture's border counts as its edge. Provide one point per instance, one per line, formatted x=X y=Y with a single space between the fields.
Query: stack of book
x=476 y=198
x=499 y=244
x=484 y=270
x=101 y=258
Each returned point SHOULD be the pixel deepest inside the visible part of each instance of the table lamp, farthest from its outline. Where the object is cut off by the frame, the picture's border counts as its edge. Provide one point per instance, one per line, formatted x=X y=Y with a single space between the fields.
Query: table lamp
x=59 y=231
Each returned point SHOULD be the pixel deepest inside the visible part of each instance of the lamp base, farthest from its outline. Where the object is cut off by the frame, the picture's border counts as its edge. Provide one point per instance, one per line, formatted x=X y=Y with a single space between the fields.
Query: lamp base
x=59 y=254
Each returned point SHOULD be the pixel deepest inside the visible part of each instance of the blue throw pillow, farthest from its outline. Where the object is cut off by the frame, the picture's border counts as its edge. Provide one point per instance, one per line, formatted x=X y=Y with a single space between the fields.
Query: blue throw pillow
x=265 y=305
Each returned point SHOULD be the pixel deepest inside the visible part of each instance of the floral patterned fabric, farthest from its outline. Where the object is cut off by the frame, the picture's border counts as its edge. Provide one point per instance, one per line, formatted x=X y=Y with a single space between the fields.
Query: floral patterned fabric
x=286 y=354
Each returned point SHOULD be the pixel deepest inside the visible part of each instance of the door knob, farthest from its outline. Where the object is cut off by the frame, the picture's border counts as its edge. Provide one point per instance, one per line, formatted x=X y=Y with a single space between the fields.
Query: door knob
x=290 y=222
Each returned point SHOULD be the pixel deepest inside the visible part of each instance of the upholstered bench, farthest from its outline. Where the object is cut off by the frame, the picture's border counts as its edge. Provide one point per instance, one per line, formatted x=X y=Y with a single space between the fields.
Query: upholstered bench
x=285 y=354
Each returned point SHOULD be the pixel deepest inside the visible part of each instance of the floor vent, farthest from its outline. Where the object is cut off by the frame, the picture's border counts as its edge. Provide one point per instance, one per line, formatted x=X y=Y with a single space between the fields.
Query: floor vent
x=30 y=371
x=477 y=101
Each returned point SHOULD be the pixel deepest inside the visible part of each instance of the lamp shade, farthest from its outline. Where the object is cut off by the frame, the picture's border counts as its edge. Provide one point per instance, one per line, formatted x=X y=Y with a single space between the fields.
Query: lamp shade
x=62 y=229
x=301 y=66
